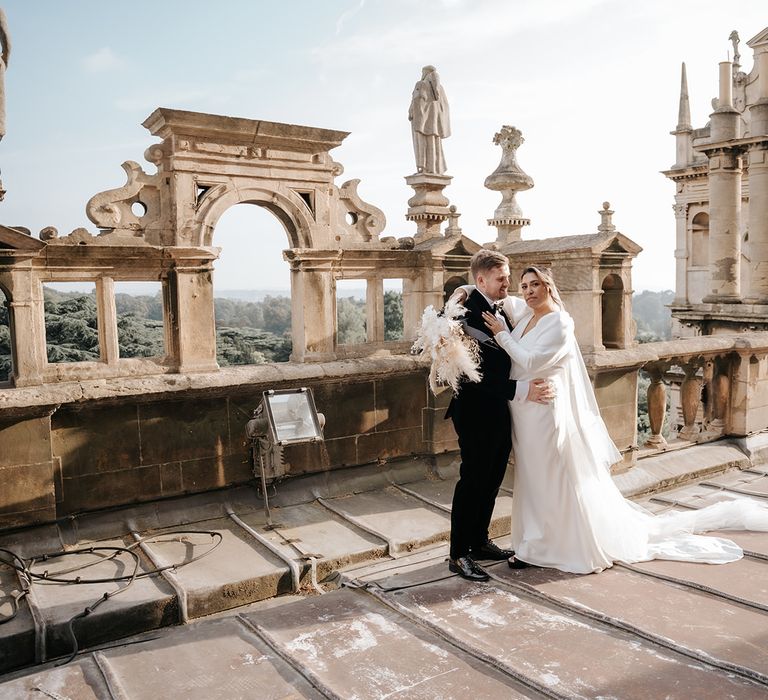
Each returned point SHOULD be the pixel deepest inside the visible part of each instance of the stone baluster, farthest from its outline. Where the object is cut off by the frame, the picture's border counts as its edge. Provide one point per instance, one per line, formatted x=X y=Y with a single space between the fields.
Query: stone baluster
x=657 y=406
x=690 y=398
x=707 y=378
x=721 y=390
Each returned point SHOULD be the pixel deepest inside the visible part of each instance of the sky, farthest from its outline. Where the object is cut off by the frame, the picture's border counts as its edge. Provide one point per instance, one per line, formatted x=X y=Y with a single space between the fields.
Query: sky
x=592 y=84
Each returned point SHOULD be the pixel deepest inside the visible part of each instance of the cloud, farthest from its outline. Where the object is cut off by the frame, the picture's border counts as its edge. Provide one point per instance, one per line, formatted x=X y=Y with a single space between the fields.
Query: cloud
x=480 y=26
x=103 y=61
x=348 y=14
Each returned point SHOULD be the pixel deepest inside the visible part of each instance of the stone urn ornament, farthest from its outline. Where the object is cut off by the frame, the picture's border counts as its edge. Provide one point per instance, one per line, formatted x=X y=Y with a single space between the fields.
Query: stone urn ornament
x=509 y=179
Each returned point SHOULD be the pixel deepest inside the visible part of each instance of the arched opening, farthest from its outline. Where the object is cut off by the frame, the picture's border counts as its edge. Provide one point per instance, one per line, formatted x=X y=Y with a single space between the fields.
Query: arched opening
x=252 y=289
x=612 y=303
x=700 y=240
x=6 y=341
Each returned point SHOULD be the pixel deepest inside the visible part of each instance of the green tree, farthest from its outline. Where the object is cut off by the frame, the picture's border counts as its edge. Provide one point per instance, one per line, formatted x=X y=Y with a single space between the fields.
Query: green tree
x=350 y=317
x=653 y=316
x=393 y=315
x=5 y=343
x=277 y=314
x=71 y=331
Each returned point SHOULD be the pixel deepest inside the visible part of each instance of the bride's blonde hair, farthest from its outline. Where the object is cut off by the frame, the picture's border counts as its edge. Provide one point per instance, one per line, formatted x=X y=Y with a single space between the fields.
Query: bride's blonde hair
x=545 y=275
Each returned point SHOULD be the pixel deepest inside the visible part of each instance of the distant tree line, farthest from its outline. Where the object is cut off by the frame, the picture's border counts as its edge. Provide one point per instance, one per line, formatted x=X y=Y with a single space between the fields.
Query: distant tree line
x=248 y=332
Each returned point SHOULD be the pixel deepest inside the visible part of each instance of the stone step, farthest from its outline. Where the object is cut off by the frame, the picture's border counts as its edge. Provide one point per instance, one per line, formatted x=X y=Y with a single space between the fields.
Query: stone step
x=354 y=647
x=209 y=660
x=133 y=606
x=698 y=624
x=553 y=649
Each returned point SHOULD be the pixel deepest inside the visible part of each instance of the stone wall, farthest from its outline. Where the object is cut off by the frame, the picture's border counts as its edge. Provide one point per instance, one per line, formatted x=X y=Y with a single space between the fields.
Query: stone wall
x=116 y=442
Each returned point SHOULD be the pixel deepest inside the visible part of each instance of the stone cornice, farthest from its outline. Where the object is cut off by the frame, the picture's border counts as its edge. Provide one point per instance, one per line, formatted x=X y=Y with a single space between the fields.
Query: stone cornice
x=166 y=122
x=688 y=173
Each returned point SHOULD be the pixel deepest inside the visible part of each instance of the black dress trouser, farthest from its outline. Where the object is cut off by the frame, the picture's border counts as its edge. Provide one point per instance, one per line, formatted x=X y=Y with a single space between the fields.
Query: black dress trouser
x=485 y=442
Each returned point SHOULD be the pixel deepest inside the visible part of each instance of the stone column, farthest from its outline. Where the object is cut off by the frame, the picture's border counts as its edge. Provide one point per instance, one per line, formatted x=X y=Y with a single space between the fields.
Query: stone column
x=724 y=198
x=758 y=222
x=313 y=311
x=758 y=187
x=27 y=325
x=189 y=310
x=724 y=220
x=109 y=346
x=429 y=206
x=681 y=253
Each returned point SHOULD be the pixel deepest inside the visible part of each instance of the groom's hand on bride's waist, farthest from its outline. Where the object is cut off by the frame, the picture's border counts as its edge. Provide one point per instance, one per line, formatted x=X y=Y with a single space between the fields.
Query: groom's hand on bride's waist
x=541 y=391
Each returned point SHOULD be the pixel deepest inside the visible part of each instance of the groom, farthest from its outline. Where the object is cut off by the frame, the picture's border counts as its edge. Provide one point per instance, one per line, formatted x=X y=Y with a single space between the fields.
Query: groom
x=481 y=418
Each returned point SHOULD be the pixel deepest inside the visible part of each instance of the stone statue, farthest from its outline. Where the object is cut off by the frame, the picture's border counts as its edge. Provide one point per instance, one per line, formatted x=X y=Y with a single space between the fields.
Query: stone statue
x=430 y=122
x=5 y=40
x=734 y=39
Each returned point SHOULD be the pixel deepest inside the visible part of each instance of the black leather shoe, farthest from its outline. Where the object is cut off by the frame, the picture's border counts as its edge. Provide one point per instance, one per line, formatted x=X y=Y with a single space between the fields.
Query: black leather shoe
x=466 y=568
x=489 y=550
x=515 y=563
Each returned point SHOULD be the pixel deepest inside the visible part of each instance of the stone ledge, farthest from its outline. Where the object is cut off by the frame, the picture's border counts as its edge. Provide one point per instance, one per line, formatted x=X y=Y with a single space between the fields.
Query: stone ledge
x=678 y=467
x=15 y=401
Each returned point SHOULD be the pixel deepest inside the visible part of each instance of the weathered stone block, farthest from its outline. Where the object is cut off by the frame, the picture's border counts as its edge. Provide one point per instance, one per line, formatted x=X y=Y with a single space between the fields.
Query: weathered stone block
x=170 y=478
x=89 y=441
x=389 y=444
x=27 y=487
x=183 y=430
x=25 y=441
x=214 y=472
x=94 y=491
x=399 y=401
x=348 y=407
x=342 y=452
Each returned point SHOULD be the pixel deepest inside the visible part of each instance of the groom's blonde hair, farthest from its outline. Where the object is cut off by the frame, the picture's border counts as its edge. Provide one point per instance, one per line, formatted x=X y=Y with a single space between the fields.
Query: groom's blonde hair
x=484 y=260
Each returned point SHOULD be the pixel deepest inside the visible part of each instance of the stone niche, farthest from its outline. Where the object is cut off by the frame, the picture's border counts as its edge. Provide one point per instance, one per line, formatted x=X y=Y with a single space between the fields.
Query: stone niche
x=593 y=273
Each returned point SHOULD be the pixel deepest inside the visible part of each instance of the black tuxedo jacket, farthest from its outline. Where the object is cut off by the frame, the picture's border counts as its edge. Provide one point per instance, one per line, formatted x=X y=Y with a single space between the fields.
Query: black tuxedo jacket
x=490 y=395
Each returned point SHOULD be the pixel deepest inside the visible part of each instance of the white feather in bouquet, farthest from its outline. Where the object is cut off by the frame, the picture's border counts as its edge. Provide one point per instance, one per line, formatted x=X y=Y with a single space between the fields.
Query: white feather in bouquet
x=454 y=354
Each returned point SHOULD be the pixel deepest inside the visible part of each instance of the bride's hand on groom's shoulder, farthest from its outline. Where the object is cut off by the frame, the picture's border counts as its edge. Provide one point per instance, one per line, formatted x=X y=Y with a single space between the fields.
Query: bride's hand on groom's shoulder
x=459 y=296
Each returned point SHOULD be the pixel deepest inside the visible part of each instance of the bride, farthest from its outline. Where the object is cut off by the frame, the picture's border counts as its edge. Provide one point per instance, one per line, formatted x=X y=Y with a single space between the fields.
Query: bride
x=567 y=513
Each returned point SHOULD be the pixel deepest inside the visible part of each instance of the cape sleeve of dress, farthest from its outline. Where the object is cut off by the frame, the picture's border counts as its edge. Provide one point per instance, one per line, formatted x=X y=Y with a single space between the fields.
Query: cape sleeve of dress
x=553 y=335
x=555 y=353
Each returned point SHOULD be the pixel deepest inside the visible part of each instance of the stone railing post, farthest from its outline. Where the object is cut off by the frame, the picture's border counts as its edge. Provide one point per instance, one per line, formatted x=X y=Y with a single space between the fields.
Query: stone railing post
x=721 y=392
x=657 y=405
x=690 y=398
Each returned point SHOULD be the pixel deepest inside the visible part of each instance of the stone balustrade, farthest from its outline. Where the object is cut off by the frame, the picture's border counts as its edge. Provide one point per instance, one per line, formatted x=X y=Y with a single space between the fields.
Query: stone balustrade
x=715 y=386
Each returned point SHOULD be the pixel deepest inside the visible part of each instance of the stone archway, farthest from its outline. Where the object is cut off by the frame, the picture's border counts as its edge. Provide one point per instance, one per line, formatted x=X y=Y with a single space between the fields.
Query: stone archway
x=288 y=208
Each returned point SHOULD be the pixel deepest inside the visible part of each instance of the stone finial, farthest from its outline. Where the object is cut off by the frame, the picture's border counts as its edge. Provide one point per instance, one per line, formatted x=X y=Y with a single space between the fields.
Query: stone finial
x=606 y=225
x=684 y=111
x=453 y=222
x=49 y=233
x=509 y=179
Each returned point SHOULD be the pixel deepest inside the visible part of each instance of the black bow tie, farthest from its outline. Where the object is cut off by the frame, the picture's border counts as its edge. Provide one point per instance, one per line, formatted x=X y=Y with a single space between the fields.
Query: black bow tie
x=497 y=305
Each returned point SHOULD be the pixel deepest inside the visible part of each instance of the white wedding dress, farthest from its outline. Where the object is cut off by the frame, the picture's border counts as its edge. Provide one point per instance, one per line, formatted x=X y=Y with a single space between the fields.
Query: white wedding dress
x=567 y=513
